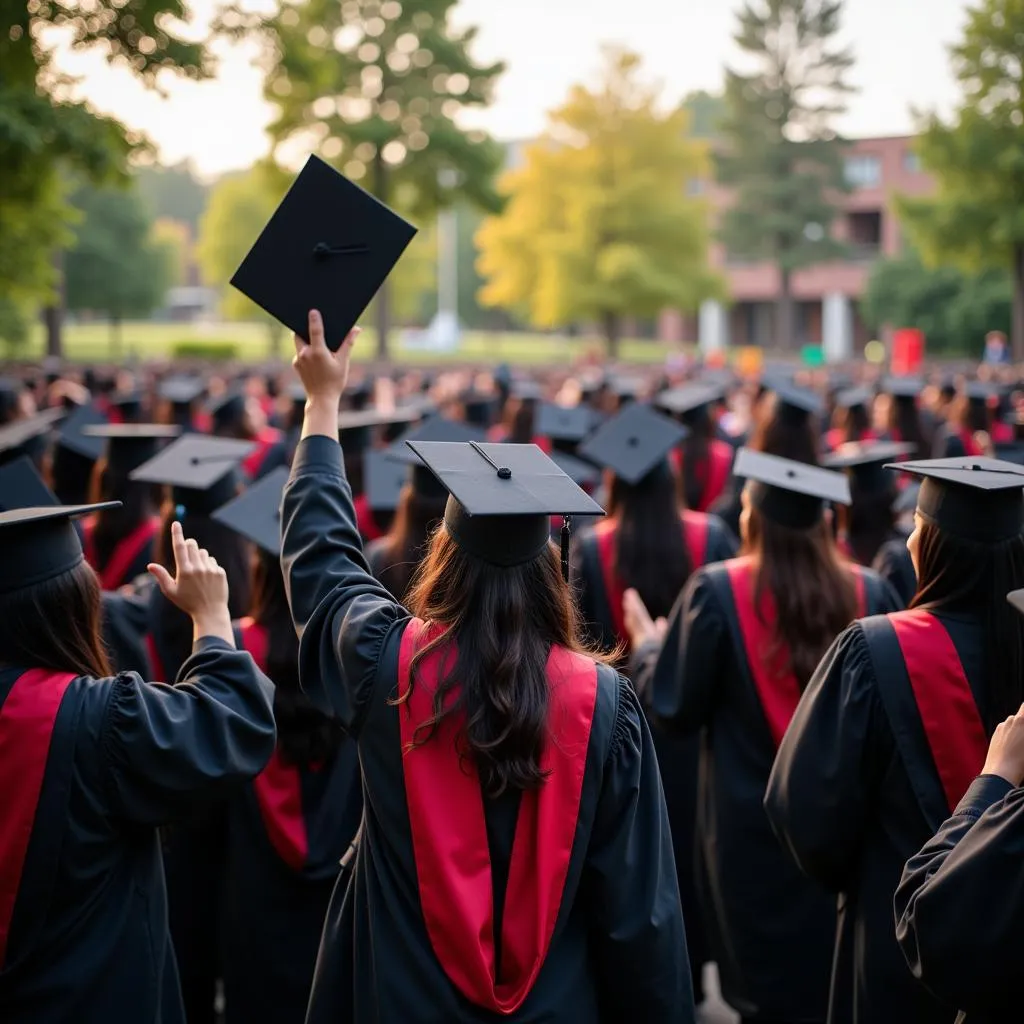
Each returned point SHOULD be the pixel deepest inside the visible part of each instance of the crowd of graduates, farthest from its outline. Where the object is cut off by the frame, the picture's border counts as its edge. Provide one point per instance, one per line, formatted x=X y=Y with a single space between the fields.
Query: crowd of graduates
x=811 y=780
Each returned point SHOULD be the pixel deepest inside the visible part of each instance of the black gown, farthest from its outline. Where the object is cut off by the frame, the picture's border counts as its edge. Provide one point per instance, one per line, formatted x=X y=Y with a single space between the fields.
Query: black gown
x=853 y=795
x=88 y=938
x=618 y=950
x=771 y=930
x=894 y=564
x=960 y=906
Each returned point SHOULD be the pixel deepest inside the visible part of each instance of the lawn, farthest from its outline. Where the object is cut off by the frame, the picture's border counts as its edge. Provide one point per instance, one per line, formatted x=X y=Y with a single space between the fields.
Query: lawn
x=144 y=340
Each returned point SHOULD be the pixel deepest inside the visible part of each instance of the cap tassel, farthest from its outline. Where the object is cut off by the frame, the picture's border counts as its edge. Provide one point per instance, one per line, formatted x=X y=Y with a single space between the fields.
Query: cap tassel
x=566 y=521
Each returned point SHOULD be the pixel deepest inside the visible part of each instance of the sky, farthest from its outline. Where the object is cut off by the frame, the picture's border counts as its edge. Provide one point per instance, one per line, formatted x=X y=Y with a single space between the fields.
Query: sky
x=548 y=45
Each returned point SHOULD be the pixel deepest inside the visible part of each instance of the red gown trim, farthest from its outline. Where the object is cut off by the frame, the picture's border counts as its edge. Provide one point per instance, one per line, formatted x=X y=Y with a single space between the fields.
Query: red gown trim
x=266 y=439
x=278 y=787
x=718 y=466
x=777 y=687
x=27 y=718
x=449 y=834
x=1002 y=433
x=156 y=665
x=971 y=449
x=112 y=575
x=365 y=523
x=956 y=735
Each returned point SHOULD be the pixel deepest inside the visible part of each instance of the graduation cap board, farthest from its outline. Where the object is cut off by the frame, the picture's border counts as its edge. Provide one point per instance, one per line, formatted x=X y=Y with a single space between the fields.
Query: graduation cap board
x=502 y=497
x=22 y=487
x=40 y=544
x=181 y=391
x=866 y=461
x=27 y=436
x=903 y=388
x=383 y=479
x=328 y=246
x=74 y=435
x=578 y=471
x=129 y=445
x=634 y=443
x=437 y=428
x=975 y=498
x=256 y=512
x=790 y=493
x=796 y=401
x=562 y=423
x=690 y=398
x=853 y=398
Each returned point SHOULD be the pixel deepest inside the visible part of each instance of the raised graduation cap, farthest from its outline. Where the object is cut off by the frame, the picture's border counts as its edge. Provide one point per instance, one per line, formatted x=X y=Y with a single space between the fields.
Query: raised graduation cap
x=256 y=512
x=866 y=462
x=27 y=436
x=790 y=493
x=562 y=423
x=690 y=398
x=974 y=498
x=383 y=479
x=200 y=470
x=181 y=391
x=40 y=543
x=74 y=434
x=903 y=388
x=21 y=486
x=633 y=443
x=853 y=398
x=129 y=445
x=502 y=497
x=328 y=246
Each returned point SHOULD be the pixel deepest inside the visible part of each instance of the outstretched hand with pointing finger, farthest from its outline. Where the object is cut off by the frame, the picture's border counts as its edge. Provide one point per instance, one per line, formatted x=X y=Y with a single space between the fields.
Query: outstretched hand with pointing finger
x=199 y=586
x=324 y=373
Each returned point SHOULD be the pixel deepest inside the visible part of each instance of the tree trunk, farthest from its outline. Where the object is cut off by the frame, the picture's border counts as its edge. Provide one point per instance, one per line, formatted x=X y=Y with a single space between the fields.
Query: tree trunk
x=612 y=333
x=383 y=301
x=784 y=333
x=115 y=336
x=1017 y=330
x=53 y=315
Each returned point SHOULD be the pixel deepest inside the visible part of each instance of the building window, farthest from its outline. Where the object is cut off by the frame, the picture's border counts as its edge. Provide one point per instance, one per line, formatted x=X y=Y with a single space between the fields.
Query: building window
x=864 y=230
x=911 y=162
x=863 y=171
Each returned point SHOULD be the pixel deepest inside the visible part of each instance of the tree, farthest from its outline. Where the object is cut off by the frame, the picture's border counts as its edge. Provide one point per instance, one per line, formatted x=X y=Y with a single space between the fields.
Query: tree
x=706 y=111
x=977 y=217
x=954 y=309
x=379 y=86
x=598 y=225
x=173 y=192
x=114 y=266
x=174 y=240
x=779 y=154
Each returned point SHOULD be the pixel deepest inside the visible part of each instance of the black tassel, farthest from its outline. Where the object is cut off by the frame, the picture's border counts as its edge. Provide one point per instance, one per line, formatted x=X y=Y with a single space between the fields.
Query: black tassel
x=566 y=520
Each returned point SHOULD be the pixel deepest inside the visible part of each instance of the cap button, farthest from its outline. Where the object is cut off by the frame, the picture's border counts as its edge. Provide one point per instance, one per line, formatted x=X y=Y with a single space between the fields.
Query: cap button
x=633 y=442
x=504 y=473
x=790 y=473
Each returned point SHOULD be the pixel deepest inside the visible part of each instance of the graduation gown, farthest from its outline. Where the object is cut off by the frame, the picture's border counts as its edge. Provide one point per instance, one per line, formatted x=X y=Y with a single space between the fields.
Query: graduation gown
x=894 y=564
x=90 y=768
x=955 y=443
x=129 y=558
x=873 y=762
x=960 y=905
x=617 y=950
x=771 y=929
x=286 y=833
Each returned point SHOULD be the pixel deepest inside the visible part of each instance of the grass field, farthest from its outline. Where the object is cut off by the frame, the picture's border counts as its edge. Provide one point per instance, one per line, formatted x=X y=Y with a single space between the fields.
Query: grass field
x=146 y=341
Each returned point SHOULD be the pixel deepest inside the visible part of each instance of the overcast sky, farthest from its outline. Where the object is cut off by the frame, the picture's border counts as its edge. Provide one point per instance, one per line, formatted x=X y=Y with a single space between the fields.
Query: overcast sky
x=901 y=49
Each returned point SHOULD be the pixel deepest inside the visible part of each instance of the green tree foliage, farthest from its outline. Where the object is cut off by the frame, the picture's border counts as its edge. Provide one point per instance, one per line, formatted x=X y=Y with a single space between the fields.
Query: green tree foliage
x=598 y=225
x=378 y=86
x=706 y=111
x=954 y=309
x=779 y=153
x=173 y=192
x=174 y=240
x=114 y=266
x=977 y=217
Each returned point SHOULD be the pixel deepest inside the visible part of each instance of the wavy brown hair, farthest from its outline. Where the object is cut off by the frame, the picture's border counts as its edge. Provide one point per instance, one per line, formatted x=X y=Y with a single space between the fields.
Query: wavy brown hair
x=416 y=518
x=56 y=625
x=504 y=622
x=812 y=589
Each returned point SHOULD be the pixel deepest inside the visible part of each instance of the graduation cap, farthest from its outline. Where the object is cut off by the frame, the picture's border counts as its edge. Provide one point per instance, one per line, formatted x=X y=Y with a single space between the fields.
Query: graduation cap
x=21 y=486
x=789 y=493
x=502 y=497
x=74 y=436
x=356 y=426
x=527 y=391
x=181 y=391
x=974 y=498
x=866 y=462
x=795 y=401
x=128 y=403
x=854 y=398
x=479 y=408
x=562 y=423
x=980 y=392
x=27 y=436
x=383 y=479
x=903 y=388
x=228 y=408
x=906 y=499
x=129 y=445
x=256 y=512
x=689 y=399
x=578 y=471
x=41 y=543
x=328 y=246
x=634 y=443
x=437 y=428
x=1010 y=451
x=200 y=470
x=626 y=387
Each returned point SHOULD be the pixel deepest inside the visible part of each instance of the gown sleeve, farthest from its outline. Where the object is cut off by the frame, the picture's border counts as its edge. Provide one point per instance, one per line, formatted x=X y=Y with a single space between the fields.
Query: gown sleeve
x=164 y=749
x=341 y=613
x=124 y=624
x=830 y=763
x=893 y=563
x=722 y=545
x=960 y=904
x=636 y=920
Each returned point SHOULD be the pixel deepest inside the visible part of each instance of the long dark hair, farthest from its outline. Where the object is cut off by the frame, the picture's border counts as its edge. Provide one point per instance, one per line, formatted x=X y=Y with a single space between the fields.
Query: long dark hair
x=905 y=420
x=968 y=415
x=854 y=421
x=505 y=622
x=810 y=586
x=787 y=436
x=650 y=550
x=963 y=576
x=869 y=521
x=406 y=543
x=55 y=625
x=518 y=420
x=114 y=524
x=695 y=450
x=304 y=734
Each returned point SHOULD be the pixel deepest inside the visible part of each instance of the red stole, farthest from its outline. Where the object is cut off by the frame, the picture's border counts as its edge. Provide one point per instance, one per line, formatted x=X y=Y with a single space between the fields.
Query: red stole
x=713 y=473
x=27 y=719
x=1001 y=433
x=971 y=448
x=952 y=725
x=836 y=437
x=365 y=523
x=449 y=834
x=278 y=787
x=695 y=536
x=127 y=550
x=156 y=665
x=777 y=687
x=265 y=439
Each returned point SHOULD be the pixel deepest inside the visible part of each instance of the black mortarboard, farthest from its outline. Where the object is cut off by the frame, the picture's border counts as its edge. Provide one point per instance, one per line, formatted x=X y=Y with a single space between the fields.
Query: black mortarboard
x=903 y=388
x=980 y=392
x=527 y=390
x=128 y=403
x=181 y=391
x=479 y=408
x=502 y=497
x=689 y=398
x=627 y=387
x=633 y=443
x=852 y=398
x=129 y=445
x=789 y=493
x=228 y=408
x=384 y=476
x=437 y=428
x=256 y=512
x=356 y=427
x=328 y=246
x=40 y=543
x=200 y=470
x=975 y=498
x=562 y=423
x=796 y=400
x=578 y=471
x=27 y=436
x=866 y=462
x=22 y=487
x=74 y=436
x=906 y=499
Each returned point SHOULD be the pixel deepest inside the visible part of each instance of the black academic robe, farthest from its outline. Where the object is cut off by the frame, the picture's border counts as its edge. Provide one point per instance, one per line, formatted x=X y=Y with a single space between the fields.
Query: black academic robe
x=618 y=950
x=855 y=793
x=894 y=564
x=729 y=505
x=771 y=929
x=125 y=625
x=960 y=906
x=86 y=941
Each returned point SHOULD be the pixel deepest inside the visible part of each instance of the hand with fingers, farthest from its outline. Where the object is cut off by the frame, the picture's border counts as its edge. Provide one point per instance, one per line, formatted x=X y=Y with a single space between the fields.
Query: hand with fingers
x=1006 y=750
x=639 y=624
x=323 y=373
